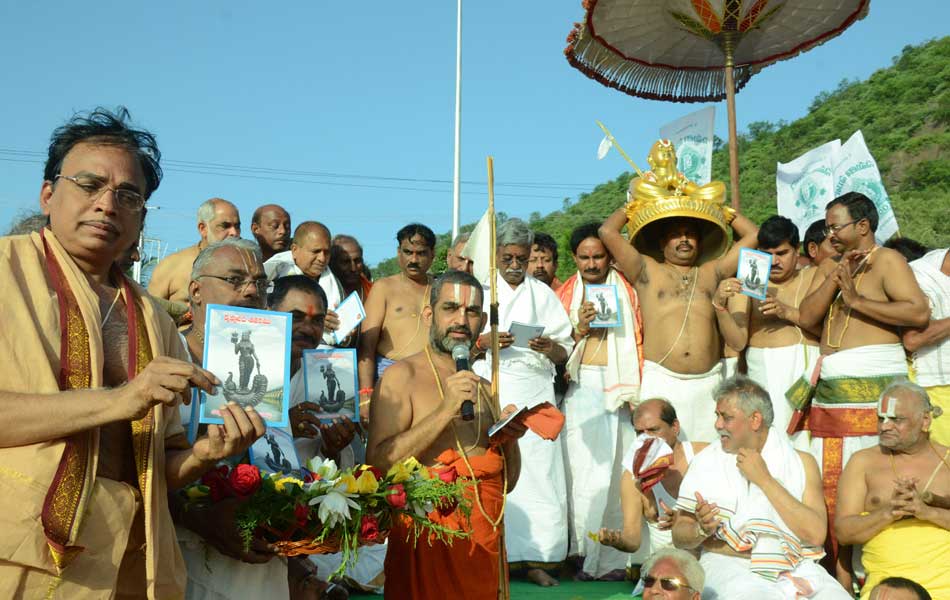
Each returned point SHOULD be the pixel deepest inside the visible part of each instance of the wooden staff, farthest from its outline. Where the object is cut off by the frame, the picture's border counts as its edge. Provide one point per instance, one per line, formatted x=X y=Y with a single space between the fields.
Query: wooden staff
x=503 y=591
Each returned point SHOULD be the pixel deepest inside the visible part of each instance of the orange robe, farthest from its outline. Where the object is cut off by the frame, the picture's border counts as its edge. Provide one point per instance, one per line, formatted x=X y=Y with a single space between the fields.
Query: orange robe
x=469 y=569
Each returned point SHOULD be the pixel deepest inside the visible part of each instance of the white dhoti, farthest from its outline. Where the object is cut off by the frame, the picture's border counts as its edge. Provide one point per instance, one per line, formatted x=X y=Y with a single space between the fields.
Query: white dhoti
x=730 y=578
x=536 y=511
x=690 y=394
x=776 y=369
x=214 y=576
x=595 y=440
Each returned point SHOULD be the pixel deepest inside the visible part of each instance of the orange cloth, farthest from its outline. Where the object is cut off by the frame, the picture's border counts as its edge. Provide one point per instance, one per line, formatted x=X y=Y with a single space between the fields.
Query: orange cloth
x=366 y=286
x=544 y=419
x=468 y=569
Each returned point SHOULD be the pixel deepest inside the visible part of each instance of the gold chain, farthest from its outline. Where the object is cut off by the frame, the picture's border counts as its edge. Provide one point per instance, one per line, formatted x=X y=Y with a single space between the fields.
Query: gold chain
x=847 y=318
x=398 y=354
x=464 y=454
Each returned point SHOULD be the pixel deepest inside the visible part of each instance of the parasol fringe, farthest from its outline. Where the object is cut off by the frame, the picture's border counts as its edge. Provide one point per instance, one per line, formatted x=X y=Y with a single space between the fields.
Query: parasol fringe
x=601 y=64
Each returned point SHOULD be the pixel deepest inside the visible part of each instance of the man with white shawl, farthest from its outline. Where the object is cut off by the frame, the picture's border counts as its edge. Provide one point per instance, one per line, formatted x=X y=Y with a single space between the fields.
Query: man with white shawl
x=536 y=512
x=754 y=505
x=309 y=255
x=604 y=371
x=931 y=346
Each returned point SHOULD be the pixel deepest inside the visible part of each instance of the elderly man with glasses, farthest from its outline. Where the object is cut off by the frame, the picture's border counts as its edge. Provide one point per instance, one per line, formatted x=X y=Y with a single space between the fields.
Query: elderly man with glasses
x=93 y=374
x=536 y=522
x=860 y=300
x=671 y=574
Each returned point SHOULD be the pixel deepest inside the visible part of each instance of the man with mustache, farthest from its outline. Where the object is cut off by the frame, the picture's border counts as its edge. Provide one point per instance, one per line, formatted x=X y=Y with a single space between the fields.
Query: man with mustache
x=270 y=226
x=543 y=262
x=752 y=505
x=309 y=255
x=604 y=372
x=93 y=374
x=537 y=522
x=860 y=300
x=886 y=495
x=394 y=327
x=229 y=273
x=217 y=219
x=778 y=349
x=682 y=347
x=416 y=413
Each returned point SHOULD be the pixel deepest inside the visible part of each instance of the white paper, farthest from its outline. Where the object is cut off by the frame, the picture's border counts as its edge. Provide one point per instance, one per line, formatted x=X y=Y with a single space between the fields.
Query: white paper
x=856 y=171
x=523 y=333
x=692 y=137
x=501 y=424
x=351 y=313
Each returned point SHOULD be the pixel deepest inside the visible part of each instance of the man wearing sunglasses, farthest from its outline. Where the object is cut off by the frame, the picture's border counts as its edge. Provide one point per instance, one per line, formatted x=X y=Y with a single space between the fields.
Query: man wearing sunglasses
x=860 y=300
x=92 y=377
x=671 y=574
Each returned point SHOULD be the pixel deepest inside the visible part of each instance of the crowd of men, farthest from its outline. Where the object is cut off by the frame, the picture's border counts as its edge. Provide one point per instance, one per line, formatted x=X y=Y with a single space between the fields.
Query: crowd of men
x=725 y=447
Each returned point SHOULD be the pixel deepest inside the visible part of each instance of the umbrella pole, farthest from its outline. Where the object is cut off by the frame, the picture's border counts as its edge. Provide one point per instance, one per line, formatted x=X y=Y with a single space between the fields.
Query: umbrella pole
x=731 y=112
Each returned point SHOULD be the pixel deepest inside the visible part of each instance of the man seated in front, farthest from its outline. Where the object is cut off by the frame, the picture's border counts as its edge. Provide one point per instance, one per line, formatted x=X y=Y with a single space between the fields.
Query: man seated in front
x=754 y=506
x=899 y=588
x=672 y=574
x=416 y=413
x=882 y=493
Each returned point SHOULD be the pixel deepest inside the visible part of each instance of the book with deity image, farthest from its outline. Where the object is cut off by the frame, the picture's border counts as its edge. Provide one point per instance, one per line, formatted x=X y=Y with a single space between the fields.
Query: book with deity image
x=249 y=351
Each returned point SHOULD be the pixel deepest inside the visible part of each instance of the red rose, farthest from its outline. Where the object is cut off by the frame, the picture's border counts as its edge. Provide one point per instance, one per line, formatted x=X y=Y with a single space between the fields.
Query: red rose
x=369 y=528
x=219 y=472
x=218 y=488
x=302 y=514
x=396 y=496
x=245 y=479
x=448 y=474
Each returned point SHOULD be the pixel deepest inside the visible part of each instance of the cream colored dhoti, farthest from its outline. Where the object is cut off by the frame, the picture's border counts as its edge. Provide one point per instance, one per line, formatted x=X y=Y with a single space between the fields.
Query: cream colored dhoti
x=690 y=394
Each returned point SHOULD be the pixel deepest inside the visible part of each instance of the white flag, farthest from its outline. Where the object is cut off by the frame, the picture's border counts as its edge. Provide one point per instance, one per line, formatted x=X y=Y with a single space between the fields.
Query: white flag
x=692 y=136
x=478 y=248
x=856 y=171
x=604 y=148
x=806 y=185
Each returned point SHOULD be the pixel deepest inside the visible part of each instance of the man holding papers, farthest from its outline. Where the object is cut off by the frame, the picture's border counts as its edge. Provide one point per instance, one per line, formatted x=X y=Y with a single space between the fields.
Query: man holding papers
x=536 y=518
x=604 y=370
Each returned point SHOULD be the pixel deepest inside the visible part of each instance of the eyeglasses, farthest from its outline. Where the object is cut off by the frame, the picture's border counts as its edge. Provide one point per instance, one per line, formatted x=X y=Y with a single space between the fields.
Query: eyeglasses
x=836 y=228
x=670 y=584
x=127 y=199
x=240 y=283
x=508 y=259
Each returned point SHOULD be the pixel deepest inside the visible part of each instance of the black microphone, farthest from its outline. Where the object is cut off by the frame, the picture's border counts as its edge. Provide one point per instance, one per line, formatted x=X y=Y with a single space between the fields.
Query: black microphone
x=460 y=355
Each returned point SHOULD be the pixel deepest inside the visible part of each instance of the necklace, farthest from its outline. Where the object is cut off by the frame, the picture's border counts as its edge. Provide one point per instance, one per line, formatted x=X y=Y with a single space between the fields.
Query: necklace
x=689 y=305
x=111 y=306
x=199 y=335
x=464 y=453
x=398 y=354
x=865 y=262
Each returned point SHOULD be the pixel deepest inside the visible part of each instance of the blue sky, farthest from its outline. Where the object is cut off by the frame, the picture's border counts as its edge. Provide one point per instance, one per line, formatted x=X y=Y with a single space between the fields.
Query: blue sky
x=343 y=112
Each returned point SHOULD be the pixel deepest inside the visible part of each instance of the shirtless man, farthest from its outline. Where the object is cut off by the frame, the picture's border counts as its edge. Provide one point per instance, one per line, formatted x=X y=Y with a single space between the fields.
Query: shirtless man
x=886 y=495
x=681 y=343
x=778 y=349
x=217 y=219
x=454 y=258
x=542 y=264
x=597 y=429
x=861 y=299
x=394 y=327
x=271 y=228
x=416 y=414
x=816 y=246
x=656 y=418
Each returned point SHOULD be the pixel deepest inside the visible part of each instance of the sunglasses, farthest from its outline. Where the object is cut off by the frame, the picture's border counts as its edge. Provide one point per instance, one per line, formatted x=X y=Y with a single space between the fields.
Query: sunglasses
x=670 y=584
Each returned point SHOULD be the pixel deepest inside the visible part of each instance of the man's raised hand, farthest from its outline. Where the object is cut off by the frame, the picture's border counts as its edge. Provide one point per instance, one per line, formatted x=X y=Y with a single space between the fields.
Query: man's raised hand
x=165 y=381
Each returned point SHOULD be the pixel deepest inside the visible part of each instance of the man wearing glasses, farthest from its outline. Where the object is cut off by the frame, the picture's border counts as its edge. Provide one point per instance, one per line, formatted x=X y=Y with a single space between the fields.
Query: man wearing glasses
x=671 y=574
x=536 y=521
x=93 y=374
x=860 y=300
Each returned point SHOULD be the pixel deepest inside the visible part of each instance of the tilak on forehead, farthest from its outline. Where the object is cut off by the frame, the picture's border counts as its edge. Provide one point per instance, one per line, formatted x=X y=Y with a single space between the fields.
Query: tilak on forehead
x=887 y=407
x=464 y=294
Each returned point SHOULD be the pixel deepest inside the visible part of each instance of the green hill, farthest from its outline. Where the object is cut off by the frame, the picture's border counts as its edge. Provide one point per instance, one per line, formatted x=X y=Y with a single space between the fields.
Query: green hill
x=903 y=111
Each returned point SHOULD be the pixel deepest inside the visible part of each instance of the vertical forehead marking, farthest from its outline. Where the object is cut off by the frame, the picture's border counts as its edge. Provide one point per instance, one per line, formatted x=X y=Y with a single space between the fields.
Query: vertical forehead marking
x=887 y=407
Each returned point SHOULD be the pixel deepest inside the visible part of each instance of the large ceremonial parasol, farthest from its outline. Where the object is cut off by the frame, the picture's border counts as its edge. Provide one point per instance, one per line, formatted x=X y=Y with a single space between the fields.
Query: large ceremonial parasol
x=699 y=50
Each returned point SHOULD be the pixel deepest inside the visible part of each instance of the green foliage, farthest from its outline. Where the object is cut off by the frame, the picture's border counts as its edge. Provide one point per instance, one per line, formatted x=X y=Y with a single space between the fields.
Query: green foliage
x=903 y=111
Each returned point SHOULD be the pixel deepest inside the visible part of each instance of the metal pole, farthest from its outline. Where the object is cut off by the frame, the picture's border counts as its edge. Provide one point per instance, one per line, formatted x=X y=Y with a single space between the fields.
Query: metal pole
x=456 y=181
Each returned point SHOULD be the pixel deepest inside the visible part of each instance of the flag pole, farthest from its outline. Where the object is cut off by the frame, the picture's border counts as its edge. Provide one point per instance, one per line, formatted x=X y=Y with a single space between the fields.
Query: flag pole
x=456 y=180
x=504 y=593
x=613 y=142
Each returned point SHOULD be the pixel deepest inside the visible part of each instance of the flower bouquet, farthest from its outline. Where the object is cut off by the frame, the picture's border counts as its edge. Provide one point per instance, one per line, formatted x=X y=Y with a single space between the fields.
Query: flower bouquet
x=327 y=510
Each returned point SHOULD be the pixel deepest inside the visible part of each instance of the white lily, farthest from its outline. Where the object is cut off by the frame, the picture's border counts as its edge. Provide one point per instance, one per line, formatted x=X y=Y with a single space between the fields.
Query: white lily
x=335 y=506
x=325 y=468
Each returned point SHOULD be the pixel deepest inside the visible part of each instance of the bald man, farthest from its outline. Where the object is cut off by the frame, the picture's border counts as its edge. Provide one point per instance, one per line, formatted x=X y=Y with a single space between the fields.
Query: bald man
x=309 y=255
x=217 y=219
x=271 y=228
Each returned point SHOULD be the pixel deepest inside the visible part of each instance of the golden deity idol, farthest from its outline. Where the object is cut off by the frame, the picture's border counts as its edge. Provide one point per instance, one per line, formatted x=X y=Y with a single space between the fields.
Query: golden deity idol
x=662 y=193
